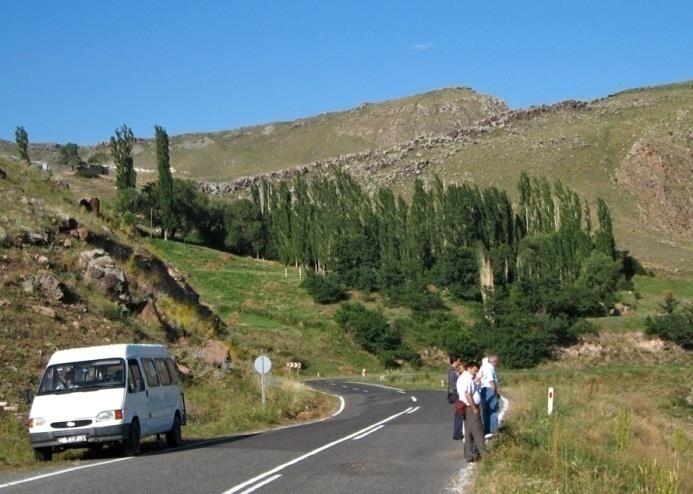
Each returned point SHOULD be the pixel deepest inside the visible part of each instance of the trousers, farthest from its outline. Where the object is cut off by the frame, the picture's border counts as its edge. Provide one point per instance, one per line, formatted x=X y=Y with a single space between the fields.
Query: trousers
x=473 y=435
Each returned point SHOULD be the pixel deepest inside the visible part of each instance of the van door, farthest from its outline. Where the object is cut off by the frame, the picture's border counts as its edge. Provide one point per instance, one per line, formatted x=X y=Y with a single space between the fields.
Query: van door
x=157 y=405
x=136 y=402
x=170 y=393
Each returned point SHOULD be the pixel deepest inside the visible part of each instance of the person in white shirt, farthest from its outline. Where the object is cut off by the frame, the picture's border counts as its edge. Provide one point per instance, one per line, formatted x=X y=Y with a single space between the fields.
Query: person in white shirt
x=490 y=395
x=468 y=391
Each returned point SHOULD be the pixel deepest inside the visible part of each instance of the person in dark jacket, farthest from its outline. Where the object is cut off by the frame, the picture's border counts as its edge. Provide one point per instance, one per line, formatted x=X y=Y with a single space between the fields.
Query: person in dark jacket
x=453 y=373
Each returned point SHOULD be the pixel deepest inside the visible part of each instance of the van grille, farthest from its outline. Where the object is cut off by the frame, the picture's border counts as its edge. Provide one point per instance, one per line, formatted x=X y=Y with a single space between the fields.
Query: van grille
x=73 y=423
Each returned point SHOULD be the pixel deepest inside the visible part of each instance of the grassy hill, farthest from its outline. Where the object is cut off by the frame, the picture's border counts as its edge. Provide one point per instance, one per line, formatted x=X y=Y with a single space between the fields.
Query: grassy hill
x=251 y=150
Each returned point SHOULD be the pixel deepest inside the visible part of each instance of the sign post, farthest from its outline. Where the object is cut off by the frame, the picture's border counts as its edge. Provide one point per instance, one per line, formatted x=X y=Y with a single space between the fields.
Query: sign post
x=263 y=366
x=550 y=401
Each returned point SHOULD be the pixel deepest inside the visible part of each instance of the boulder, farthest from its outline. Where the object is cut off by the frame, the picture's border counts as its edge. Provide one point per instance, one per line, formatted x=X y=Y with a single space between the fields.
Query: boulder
x=183 y=369
x=43 y=311
x=92 y=205
x=101 y=272
x=66 y=223
x=150 y=314
x=35 y=238
x=51 y=287
x=215 y=353
x=81 y=233
x=28 y=285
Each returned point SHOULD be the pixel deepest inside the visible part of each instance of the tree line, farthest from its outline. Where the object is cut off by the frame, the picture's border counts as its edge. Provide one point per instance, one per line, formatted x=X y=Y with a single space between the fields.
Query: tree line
x=539 y=266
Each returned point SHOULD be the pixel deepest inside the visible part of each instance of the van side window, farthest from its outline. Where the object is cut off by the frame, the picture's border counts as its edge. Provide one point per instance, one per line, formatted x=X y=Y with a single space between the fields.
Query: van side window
x=163 y=372
x=135 y=381
x=150 y=372
x=172 y=370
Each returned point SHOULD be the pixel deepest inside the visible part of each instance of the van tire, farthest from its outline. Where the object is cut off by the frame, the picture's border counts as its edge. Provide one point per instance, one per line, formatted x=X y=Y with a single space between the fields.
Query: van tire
x=174 y=437
x=43 y=454
x=131 y=445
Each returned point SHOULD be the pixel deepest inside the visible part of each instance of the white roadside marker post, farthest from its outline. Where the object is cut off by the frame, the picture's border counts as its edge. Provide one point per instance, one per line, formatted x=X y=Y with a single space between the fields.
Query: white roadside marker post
x=550 y=401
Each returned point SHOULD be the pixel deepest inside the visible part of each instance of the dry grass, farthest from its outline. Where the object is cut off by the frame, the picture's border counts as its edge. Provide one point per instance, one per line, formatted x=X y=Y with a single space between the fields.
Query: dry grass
x=613 y=430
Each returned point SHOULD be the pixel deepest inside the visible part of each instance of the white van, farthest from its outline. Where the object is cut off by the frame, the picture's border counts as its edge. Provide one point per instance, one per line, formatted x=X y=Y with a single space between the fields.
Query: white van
x=106 y=394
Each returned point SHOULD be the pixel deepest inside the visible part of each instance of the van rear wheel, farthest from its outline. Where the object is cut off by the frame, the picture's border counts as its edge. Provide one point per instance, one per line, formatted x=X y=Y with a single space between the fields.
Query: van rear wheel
x=43 y=454
x=174 y=437
x=131 y=445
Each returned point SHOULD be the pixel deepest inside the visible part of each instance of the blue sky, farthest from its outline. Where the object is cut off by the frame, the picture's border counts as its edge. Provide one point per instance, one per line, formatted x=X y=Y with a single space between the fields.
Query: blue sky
x=75 y=70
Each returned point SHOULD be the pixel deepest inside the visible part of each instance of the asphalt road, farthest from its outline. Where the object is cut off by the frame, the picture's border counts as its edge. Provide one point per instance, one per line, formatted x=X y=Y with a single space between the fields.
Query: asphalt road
x=383 y=440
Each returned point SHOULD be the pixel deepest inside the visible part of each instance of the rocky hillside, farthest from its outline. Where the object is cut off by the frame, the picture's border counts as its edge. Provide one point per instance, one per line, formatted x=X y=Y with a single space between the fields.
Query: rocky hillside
x=251 y=150
x=634 y=149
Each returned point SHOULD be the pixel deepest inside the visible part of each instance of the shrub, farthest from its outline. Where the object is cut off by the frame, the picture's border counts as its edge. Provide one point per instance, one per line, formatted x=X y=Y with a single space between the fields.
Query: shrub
x=324 y=289
x=372 y=331
x=676 y=326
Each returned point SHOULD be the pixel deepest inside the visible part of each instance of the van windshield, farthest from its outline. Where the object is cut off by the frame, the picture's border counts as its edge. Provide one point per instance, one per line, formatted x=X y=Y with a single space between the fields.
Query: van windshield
x=83 y=376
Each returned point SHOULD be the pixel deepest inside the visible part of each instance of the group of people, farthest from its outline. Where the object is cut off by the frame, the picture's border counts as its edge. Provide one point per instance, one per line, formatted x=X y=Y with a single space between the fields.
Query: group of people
x=475 y=393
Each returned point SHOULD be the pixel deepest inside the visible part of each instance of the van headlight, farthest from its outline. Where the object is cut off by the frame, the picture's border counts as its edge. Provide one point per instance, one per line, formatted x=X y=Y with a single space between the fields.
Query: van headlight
x=36 y=422
x=109 y=415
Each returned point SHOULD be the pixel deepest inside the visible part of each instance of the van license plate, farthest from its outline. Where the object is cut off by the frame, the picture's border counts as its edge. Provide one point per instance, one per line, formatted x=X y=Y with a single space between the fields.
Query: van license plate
x=72 y=439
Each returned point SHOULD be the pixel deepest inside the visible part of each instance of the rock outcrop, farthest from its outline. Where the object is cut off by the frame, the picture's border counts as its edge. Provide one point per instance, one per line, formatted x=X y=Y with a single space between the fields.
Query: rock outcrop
x=101 y=272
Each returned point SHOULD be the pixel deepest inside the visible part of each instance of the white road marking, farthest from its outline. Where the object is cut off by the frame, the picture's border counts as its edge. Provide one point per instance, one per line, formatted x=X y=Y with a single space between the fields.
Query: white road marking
x=264 y=482
x=412 y=410
x=369 y=432
x=345 y=387
x=314 y=452
x=413 y=398
x=60 y=472
x=400 y=390
x=342 y=403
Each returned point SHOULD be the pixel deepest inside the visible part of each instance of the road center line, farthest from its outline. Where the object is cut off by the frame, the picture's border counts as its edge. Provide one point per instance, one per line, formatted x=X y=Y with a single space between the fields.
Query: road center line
x=413 y=398
x=399 y=390
x=60 y=472
x=314 y=452
x=369 y=432
x=264 y=482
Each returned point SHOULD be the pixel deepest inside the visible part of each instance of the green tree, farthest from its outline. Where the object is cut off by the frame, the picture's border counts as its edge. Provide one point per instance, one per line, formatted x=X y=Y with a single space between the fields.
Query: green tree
x=22 y=139
x=604 y=237
x=68 y=155
x=165 y=181
x=121 y=151
x=245 y=228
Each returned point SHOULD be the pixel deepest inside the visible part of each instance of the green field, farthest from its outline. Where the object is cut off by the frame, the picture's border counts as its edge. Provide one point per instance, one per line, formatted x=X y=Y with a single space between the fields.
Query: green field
x=268 y=311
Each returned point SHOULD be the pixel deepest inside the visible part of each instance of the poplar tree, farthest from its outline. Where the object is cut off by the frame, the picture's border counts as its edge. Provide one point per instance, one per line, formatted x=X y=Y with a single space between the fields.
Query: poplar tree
x=604 y=237
x=121 y=151
x=165 y=182
x=22 y=140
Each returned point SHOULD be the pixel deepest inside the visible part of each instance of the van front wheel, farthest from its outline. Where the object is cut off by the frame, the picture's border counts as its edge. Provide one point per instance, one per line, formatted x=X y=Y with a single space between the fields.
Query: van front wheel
x=174 y=437
x=43 y=454
x=131 y=445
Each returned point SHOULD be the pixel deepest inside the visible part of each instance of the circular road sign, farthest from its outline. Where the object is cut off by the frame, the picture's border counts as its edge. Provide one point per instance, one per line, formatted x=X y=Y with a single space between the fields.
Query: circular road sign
x=263 y=364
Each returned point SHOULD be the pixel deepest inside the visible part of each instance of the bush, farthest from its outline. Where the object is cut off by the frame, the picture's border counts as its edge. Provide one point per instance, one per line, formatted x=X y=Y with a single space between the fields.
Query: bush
x=87 y=172
x=372 y=331
x=676 y=326
x=324 y=289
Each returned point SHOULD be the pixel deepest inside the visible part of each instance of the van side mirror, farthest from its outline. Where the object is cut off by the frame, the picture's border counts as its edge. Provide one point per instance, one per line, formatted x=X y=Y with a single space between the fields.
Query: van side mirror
x=29 y=395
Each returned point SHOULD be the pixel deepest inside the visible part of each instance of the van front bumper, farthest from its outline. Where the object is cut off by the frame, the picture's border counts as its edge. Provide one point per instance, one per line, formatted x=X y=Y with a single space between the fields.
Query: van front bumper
x=104 y=434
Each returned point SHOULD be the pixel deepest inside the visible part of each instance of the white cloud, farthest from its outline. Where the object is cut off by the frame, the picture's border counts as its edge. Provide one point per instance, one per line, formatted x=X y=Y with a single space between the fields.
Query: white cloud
x=423 y=46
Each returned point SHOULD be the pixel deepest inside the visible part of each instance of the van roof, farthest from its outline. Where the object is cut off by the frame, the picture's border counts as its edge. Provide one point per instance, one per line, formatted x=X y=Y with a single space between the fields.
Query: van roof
x=108 y=351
